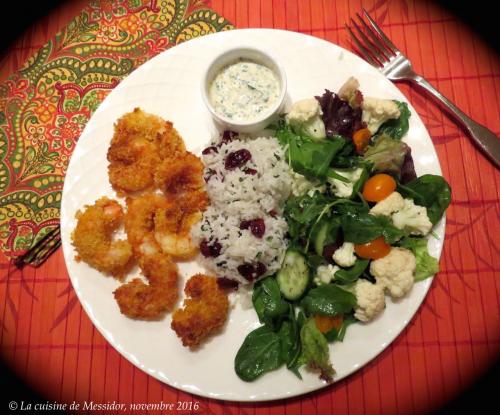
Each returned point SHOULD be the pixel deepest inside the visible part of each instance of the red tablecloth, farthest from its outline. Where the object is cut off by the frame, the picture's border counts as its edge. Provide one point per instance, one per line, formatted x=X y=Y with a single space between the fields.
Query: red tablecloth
x=46 y=99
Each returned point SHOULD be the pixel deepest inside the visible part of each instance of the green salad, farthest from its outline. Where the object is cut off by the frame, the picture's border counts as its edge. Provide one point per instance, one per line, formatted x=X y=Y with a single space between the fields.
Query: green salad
x=358 y=221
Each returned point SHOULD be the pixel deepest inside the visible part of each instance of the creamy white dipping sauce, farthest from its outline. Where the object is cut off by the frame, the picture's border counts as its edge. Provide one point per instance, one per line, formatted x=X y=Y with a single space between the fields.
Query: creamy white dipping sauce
x=244 y=90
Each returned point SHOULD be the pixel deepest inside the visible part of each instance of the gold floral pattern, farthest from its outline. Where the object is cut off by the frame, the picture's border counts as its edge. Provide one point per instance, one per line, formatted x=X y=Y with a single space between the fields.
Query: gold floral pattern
x=46 y=104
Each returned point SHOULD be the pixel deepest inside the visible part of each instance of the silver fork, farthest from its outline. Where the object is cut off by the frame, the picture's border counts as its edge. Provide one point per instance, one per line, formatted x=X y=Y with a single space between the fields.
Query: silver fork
x=380 y=52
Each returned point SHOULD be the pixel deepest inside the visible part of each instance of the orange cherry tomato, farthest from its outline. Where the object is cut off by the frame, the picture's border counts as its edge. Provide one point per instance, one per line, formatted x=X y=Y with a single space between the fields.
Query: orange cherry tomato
x=361 y=138
x=378 y=187
x=327 y=323
x=378 y=248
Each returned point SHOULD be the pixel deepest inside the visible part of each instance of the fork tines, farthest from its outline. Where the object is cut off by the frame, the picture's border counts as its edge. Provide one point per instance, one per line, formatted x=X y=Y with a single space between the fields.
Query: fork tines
x=39 y=252
x=372 y=43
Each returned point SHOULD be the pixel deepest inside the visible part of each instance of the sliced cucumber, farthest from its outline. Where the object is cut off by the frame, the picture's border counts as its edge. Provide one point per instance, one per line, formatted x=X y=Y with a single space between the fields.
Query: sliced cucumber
x=319 y=240
x=326 y=234
x=293 y=277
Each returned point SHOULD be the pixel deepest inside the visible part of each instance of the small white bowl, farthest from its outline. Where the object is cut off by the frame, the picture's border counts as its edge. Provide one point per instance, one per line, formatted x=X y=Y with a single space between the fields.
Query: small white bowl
x=257 y=56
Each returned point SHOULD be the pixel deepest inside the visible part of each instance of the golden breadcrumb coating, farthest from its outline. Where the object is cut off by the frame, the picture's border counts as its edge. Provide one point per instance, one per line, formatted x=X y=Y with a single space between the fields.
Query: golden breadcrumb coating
x=139 y=143
x=180 y=176
x=203 y=314
x=92 y=238
x=150 y=301
x=140 y=222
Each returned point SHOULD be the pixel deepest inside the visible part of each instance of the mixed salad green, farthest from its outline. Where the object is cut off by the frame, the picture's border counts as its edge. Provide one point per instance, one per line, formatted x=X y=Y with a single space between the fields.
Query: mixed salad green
x=350 y=241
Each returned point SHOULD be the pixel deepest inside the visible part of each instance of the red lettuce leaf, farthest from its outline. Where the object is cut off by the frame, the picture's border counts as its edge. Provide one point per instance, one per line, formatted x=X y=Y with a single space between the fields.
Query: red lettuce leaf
x=339 y=117
x=408 y=168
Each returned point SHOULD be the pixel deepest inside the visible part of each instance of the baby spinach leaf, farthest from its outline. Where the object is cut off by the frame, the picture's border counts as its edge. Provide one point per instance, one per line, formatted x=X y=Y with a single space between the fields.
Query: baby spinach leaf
x=328 y=300
x=289 y=334
x=305 y=209
x=348 y=276
x=312 y=159
x=301 y=318
x=346 y=157
x=427 y=265
x=268 y=303
x=306 y=156
x=259 y=353
x=314 y=261
x=360 y=228
x=350 y=207
x=431 y=191
x=287 y=340
x=315 y=350
x=399 y=127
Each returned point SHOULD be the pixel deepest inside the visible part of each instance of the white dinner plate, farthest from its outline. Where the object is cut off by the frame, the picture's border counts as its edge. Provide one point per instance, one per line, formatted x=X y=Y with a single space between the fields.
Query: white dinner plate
x=169 y=85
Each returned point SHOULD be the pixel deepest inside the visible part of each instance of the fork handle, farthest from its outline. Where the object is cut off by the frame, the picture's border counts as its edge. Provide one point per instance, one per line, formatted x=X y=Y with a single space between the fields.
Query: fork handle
x=486 y=139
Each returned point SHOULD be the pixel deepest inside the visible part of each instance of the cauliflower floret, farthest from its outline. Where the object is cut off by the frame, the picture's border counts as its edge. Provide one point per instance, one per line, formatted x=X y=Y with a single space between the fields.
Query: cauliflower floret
x=325 y=274
x=344 y=189
x=370 y=298
x=389 y=205
x=303 y=110
x=412 y=218
x=344 y=256
x=302 y=185
x=305 y=118
x=377 y=111
x=350 y=92
x=395 y=271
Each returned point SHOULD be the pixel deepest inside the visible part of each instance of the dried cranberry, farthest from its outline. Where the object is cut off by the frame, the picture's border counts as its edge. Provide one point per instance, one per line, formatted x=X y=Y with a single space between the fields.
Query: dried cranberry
x=211 y=149
x=210 y=250
x=260 y=269
x=246 y=271
x=228 y=136
x=251 y=171
x=256 y=226
x=273 y=213
x=227 y=284
x=237 y=159
x=252 y=271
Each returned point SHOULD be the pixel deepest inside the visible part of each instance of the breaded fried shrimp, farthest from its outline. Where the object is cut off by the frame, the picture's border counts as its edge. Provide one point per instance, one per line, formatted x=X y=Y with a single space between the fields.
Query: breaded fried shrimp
x=171 y=143
x=203 y=314
x=146 y=155
x=92 y=238
x=173 y=229
x=137 y=299
x=139 y=143
x=150 y=301
x=181 y=180
x=180 y=176
x=140 y=222
x=130 y=167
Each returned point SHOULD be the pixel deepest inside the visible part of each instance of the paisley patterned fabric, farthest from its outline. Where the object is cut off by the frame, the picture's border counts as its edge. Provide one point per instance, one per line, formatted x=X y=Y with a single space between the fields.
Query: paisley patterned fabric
x=46 y=104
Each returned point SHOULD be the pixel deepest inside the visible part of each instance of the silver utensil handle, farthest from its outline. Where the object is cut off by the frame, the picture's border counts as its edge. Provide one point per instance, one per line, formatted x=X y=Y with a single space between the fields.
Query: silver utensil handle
x=486 y=139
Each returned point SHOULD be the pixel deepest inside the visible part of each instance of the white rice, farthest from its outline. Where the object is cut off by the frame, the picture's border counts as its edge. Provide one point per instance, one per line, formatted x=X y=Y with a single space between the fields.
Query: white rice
x=236 y=196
